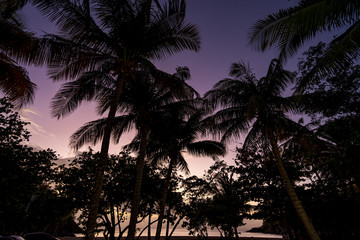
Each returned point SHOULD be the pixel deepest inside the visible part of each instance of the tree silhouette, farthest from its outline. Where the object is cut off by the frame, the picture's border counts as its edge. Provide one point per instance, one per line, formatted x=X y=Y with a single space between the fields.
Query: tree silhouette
x=289 y=29
x=145 y=102
x=106 y=44
x=14 y=45
x=180 y=132
x=257 y=108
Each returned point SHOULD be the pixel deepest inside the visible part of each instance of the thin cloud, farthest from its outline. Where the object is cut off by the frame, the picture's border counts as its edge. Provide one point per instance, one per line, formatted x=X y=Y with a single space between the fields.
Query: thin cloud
x=33 y=127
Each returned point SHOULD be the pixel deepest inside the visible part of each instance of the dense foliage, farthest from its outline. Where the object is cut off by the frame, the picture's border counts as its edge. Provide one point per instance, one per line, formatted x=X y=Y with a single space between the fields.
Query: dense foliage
x=216 y=201
x=331 y=199
x=27 y=202
x=75 y=182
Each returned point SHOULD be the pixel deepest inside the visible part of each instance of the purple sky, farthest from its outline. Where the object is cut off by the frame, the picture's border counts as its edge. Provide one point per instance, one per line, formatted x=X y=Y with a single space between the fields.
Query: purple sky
x=223 y=28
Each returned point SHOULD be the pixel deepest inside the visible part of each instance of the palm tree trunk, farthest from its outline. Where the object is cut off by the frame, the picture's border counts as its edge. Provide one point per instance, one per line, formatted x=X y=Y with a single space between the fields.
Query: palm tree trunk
x=175 y=225
x=236 y=233
x=163 y=199
x=168 y=224
x=291 y=192
x=100 y=169
x=149 y=222
x=139 y=174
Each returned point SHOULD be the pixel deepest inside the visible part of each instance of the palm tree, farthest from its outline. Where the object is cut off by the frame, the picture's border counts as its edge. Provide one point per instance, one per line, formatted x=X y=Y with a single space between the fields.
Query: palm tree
x=124 y=36
x=14 y=42
x=289 y=29
x=145 y=101
x=179 y=132
x=256 y=107
x=227 y=207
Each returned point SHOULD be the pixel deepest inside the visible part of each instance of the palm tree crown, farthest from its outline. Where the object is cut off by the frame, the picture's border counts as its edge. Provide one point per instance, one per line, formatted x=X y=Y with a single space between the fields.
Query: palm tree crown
x=120 y=40
x=14 y=41
x=145 y=102
x=289 y=29
x=179 y=132
x=247 y=104
x=115 y=36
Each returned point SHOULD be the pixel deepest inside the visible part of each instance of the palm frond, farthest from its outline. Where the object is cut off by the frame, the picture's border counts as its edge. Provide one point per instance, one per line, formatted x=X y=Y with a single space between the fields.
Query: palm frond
x=91 y=132
x=174 y=82
x=182 y=165
x=254 y=138
x=121 y=125
x=343 y=50
x=241 y=71
x=306 y=141
x=206 y=148
x=74 y=20
x=10 y=8
x=277 y=78
x=67 y=59
x=229 y=92
x=289 y=29
x=158 y=157
x=15 y=82
x=169 y=33
x=233 y=129
x=90 y=86
x=175 y=40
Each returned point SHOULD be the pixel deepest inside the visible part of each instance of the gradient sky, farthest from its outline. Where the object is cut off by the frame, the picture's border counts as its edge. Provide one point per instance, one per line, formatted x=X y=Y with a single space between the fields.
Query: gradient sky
x=223 y=26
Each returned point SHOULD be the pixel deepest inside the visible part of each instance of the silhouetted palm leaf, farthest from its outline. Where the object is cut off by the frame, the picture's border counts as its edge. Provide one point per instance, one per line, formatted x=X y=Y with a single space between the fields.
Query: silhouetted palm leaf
x=14 y=46
x=288 y=30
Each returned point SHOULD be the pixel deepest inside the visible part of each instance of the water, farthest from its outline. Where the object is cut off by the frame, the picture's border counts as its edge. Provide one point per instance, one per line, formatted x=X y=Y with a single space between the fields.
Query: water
x=249 y=224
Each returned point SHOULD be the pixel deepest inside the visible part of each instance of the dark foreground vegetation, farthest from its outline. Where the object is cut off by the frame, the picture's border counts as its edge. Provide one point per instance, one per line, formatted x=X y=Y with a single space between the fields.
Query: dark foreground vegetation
x=299 y=158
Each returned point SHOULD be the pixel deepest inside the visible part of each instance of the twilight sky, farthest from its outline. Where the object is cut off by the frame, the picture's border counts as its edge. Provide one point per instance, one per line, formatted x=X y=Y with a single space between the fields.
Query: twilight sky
x=223 y=26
